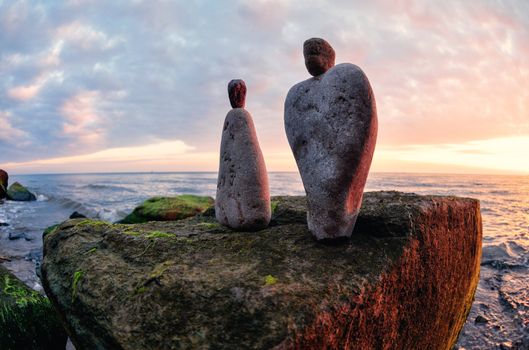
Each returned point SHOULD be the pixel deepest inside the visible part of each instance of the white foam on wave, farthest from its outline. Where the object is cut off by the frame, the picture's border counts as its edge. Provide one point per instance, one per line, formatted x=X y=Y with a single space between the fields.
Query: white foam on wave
x=42 y=198
x=110 y=215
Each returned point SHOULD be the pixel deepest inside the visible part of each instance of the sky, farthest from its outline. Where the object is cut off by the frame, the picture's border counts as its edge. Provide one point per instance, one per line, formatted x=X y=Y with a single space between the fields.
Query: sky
x=110 y=86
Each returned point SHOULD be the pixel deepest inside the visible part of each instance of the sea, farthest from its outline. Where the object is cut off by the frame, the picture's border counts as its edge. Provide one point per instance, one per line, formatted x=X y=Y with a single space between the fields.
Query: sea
x=499 y=318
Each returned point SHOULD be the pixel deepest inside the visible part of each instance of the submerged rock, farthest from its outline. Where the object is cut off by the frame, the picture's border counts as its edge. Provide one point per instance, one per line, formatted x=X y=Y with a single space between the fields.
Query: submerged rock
x=17 y=192
x=4 y=180
x=27 y=319
x=405 y=279
x=168 y=208
x=77 y=215
x=331 y=125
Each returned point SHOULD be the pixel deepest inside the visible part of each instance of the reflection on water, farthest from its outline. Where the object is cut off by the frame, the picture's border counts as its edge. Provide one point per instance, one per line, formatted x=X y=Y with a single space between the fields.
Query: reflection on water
x=499 y=317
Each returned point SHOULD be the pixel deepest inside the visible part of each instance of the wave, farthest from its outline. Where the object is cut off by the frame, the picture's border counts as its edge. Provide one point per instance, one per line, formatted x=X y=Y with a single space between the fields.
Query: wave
x=506 y=255
x=71 y=204
x=42 y=198
x=110 y=215
x=108 y=187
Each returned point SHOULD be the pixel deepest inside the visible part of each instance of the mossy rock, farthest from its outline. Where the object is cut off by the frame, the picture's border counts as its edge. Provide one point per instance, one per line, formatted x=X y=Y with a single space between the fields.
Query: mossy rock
x=27 y=319
x=405 y=280
x=168 y=209
x=17 y=192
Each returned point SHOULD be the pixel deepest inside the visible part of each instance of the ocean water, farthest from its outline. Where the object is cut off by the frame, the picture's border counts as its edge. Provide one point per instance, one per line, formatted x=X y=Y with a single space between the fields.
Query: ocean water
x=499 y=318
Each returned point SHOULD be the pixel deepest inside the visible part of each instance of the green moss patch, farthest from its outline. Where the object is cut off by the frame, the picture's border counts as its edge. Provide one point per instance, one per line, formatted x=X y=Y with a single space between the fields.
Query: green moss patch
x=75 y=283
x=27 y=319
x=270 y=280
x=168 y=209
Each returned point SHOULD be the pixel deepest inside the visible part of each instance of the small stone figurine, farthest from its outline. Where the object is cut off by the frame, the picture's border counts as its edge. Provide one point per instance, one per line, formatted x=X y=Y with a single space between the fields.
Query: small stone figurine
x=243 y=196
x=331 y=125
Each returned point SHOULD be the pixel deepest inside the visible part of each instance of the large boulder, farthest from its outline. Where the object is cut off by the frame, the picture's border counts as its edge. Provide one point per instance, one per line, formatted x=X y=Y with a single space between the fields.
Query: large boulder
x=17 y=192
x=27 y=319
x=404 y=280
x=4 y=180
x=168 y=208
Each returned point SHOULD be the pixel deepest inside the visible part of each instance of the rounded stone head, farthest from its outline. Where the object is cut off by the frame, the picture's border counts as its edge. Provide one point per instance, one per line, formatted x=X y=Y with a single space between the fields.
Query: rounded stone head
x=319 y=56
x=237 y=93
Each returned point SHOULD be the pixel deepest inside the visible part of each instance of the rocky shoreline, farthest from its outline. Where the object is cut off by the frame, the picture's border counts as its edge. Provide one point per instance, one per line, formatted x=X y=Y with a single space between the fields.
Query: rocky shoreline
x=406 y=278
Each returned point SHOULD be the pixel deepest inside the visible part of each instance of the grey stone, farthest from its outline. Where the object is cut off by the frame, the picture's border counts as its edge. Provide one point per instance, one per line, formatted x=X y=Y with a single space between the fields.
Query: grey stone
x=331 y=125
x=243 y=198
x=319 y=56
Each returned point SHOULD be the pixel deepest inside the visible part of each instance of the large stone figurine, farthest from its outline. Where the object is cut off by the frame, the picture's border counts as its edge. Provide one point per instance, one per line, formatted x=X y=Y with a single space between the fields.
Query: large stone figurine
x=243 y=198
x=331 y=125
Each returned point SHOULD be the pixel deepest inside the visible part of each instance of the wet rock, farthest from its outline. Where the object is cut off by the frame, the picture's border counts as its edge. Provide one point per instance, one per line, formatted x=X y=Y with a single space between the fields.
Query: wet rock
x=16 y=235
x=27 y=319
x=481 y=319
x=319 y=56
x=243 y=197
x=17 y=192
x=77 y=215
x=3 y=224
x=4 y=180
x=331 y=125
x=194 y=284
x=168 y=208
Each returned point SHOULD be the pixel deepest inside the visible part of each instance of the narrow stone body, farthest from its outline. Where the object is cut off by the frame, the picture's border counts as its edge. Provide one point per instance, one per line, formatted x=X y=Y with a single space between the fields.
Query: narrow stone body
x=331 y=125
x=4 y=179
x=243 y=197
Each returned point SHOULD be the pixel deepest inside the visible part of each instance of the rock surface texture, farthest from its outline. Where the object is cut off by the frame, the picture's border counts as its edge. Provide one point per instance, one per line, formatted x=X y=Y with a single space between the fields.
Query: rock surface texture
x=243 y=197
x=405 y=279
x=4 y=180
x=331 y=125
x=17 y=192
x=27 y=319
x=168 y=208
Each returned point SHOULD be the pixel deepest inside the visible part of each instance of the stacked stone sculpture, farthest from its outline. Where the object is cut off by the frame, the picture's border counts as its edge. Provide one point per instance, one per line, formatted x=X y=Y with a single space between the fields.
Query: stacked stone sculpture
x=331 y=125
x=243 y=198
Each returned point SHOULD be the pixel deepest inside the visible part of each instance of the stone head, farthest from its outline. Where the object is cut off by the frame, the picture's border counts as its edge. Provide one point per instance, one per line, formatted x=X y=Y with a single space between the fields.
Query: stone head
x=319 y=56
x=237 y=93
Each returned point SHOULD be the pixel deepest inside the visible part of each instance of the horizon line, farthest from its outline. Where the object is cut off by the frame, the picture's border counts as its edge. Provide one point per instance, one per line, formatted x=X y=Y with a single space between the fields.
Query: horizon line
x=270 y=172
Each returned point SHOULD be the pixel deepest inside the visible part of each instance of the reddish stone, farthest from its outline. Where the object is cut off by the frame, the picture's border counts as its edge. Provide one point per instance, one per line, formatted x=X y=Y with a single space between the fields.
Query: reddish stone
x=4 y=177
x=237 y=93
x=319 y=56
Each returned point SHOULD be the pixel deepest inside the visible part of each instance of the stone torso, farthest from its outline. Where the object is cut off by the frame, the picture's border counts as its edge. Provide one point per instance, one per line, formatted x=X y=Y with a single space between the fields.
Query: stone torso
x=243 y=200
x=331 y=126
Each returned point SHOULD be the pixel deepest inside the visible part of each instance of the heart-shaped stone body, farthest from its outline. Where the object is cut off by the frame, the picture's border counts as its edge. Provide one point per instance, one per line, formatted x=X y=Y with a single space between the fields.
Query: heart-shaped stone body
x=243 y=197
x=331 y=125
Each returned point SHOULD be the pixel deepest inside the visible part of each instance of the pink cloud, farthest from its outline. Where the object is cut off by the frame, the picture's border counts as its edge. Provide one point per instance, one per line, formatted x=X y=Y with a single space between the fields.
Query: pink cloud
x=81 y=118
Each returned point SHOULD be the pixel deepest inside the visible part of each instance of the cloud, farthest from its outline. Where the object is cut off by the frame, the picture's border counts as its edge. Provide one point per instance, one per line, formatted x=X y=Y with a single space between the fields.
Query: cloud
x=10 y=135
x=497 y=155
x=81 y=117
x=122 y=158
x=442 y=72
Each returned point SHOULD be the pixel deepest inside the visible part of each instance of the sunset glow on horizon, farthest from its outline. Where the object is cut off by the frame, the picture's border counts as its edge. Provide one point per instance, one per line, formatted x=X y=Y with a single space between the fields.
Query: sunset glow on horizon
x=147 y=90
